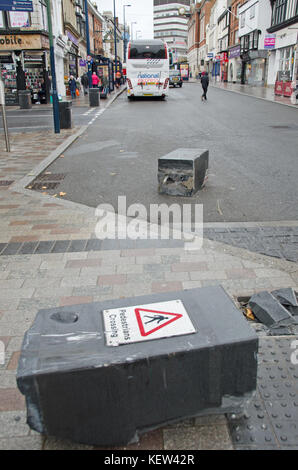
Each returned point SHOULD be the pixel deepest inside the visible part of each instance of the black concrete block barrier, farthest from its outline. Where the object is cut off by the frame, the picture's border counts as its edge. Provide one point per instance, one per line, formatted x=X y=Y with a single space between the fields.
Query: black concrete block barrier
x=80 y=388
x=183 y=172
x=65 y=114
x=94 y=97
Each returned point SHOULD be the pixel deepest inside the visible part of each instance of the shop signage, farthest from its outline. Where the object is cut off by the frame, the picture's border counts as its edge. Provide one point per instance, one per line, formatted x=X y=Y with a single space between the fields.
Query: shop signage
x=12 y=42
x=210 y=55
x=269 y=41
x=234 y=52
x=72 y=38
x=16 y=5
x=82 y=63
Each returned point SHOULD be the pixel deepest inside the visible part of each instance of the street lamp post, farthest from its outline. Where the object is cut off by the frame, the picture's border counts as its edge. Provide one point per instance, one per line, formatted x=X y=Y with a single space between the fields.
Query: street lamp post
x=133 y=22
x=88 y=45
x=53 y=71
x=115 y=38
x=124 y=39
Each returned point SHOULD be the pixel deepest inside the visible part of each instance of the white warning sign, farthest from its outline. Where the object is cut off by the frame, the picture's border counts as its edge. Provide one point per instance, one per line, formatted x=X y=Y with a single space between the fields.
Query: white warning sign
x=146 y=322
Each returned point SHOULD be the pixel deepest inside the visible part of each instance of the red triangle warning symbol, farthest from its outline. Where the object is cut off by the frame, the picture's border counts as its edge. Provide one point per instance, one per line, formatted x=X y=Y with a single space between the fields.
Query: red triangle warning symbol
x=150 y=321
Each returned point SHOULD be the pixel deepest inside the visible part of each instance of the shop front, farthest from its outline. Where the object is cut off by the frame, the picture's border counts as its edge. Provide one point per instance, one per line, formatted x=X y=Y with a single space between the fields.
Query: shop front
x=24 y=65
x=71 y=59
x=235 y=65
x=281 y=66
x=216 y=68
x=254 y=65
x=224 y=66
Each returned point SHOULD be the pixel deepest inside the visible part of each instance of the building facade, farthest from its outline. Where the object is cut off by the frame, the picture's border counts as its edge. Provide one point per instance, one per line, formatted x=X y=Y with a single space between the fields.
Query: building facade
x=24 y=51
x=254 y=19
x=234 y=51
x=283 y=32
x=171 y=25
x=193 y=40
x=24 y=46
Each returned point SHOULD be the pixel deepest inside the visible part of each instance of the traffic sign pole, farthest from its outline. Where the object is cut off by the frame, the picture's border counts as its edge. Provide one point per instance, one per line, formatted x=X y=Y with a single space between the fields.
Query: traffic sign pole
x=2 y=102
x=88 y=45
x=53 y=72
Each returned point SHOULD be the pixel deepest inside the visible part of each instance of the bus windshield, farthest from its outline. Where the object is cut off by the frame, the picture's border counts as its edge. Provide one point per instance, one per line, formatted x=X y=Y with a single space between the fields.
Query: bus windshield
x=147 y=51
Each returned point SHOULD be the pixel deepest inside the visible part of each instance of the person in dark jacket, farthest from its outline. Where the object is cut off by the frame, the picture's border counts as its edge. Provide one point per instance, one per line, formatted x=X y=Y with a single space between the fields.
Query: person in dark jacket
x=85 y=83
x=205 y=84
x=72 y=86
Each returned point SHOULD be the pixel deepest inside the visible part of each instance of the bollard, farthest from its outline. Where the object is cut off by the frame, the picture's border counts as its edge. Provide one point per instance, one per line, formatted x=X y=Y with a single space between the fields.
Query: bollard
x=25 y=101
x=100 y=373
x=65 y=114
x=94 y=97
x=183 y=172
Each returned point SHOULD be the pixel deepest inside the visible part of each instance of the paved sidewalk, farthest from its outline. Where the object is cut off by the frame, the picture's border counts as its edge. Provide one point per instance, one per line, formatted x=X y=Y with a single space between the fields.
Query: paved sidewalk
x=49 y=257
x=266 y=93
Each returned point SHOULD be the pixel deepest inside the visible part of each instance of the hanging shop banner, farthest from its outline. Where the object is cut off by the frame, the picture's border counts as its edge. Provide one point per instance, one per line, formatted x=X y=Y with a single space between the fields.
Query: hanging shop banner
x=16 y=5
x=269 y=41
x=234 y=52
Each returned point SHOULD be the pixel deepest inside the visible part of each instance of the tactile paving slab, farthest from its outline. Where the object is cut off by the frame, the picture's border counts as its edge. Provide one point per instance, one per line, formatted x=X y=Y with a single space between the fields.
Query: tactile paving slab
x=270 y=420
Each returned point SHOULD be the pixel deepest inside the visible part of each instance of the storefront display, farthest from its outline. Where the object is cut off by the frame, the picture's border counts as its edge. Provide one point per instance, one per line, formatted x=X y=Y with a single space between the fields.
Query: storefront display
x=24 y=62
x=9 y=78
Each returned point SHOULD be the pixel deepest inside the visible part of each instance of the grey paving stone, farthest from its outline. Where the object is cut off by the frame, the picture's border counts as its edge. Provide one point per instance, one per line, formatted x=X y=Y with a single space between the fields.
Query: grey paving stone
x=11 y=249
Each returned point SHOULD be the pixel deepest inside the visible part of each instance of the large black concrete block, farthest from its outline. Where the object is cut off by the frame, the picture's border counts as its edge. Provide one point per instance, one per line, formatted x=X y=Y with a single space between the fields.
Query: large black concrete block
x=183 y=172
x=25 y=101
x=94 y=97
x=80 y=388
x=65 y=114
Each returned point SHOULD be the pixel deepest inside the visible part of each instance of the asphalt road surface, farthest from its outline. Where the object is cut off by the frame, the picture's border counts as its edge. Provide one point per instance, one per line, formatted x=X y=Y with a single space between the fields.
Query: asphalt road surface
x=253 y=146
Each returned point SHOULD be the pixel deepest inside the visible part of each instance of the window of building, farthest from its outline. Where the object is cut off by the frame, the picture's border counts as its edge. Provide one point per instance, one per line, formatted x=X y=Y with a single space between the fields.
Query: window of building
x=236 y=36
x=251 y=40
x=246 y=42
x=256 y=39
x=242 y=20
x=279 y=12
x=252 y=12
x=43 y=15
x=2 y=21
x=19 y=19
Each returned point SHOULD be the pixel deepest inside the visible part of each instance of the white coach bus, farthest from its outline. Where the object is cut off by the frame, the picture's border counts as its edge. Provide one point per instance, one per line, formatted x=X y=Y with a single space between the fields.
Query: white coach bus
x=147 y=69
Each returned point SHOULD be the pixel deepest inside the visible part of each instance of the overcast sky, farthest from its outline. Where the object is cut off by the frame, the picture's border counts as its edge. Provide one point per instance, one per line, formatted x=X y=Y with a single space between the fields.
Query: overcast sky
x=140 y=11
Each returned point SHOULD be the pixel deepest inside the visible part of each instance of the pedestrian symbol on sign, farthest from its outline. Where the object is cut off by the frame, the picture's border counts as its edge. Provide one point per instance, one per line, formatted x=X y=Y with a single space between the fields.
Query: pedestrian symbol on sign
x=157 y=318
x=160 y=318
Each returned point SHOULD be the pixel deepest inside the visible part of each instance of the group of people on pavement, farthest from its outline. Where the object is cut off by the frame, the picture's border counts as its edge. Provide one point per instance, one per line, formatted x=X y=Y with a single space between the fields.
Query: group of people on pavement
x=74 y=85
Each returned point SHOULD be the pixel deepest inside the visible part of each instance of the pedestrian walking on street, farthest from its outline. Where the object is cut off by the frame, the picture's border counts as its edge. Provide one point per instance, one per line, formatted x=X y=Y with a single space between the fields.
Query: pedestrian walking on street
x=72 y=86
x=95 y=80
x=85 y=83
x=205 y=84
